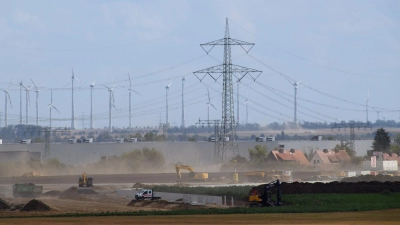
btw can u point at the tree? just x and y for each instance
(381, 141)
(258, 154)
(345, 146)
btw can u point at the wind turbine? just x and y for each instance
(51, 106)
(166, 101)
(6, 98)
(130, 100)
(28, 100)
(111, 103)
(366, 106)
(73, 110)
(20, 102)
(37, 102)
(295, 85)
(208, 107)
(91, 104)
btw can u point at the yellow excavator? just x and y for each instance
(192, 175)
(85, 181)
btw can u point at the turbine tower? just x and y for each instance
(295, 85)
(208, 106)
(228, 124)
(37, 102)
(20, 102)
(376, 111)
(73, 110)
(91, 104)
(111, 103)
(130, 100)
(366, 106)
(6, 99)
(27, 101)
(166, 102)
(51, 106)
(247, 110)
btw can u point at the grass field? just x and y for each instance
(368, 217)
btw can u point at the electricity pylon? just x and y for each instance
(227, 69)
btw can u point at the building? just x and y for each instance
(391, 157)
(288, 156)
(19, 156)
(329, 157)
(379, 163)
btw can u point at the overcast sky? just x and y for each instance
(339, 49)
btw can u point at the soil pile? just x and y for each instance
(367, 178)
(162, 204)
(4, 205)
(35, 205)
(336, 187)
(75, 193)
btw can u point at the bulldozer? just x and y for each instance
(265, 198)
(85, 181)
(192, 175)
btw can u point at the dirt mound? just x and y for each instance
(367, 178)
(77, 193)
(52, 193)
(4, 205)
(35, 205)
(336, 187)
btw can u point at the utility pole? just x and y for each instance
(352, 125)
(228, 124)
(237, 102)
(216, 124)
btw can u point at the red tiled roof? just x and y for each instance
(287, 156)
(332, 156)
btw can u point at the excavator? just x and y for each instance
(85, 181)
(192, 175)
(265, 199)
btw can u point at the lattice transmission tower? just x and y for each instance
(227, 140)
(352, 126)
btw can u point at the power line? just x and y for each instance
(312, 62)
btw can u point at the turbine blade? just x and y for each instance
(55, 108)
(10, 83)
(208, 92)
(34, 84)
(213, 106)
(106, 87)
(9, 98)
(169, 83)
(136, 92)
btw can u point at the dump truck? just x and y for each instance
(27, 190)
(196, 176)
(146, 194)
(85, 181)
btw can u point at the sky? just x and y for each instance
(341, 51)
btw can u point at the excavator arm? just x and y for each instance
(178, 169)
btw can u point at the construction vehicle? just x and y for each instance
(269, 176)
(146, 194)
(85, 181)
(192, 175)
(265, 199)
(27, 190)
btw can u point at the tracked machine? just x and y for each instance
(265, 198)
(195, 176)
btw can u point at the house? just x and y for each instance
(329, 157)
(288, 156)
(382, 162)
(391, 157)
